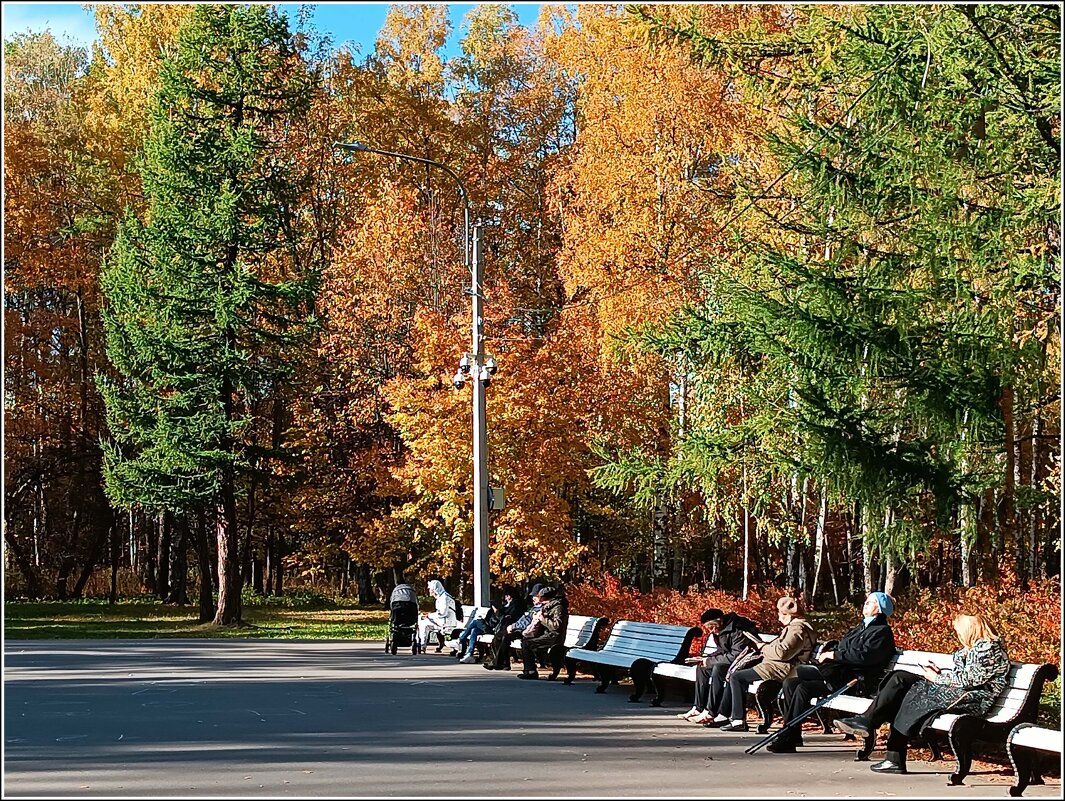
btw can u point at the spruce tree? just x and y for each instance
(888, 310)
(207, 294)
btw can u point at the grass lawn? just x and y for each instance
(311, 618)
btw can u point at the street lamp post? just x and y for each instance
(474, 364)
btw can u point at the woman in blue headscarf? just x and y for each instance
(444, 618)
(862, 653)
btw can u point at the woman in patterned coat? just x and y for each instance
(908, 700)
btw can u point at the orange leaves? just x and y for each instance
(650, 123)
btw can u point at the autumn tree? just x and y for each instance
(57, 520)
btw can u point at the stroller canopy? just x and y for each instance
(403, 593)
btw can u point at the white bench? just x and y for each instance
(632, 644)
(763, 692)
(1018, 703)
(582, 631)
(1023, 739)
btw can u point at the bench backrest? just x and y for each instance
(473, 612)
(711, 642)
(582, 631)
(655, 641)
(1019, 699)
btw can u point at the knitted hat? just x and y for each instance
(883, 600)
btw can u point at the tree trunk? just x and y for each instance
(366, 593)
(660, 543)
(150, 551)
(967, 518)
(1034, 513)
(116, 549)
(162, 559)
(819, 544)
(229, 567)
(890, 567)
(279, 557)
(179, 572)
(30, 574)
(1005, 536)
(203, 557)
(103, 531)
(868, 572)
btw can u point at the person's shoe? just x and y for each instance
(858, 725)
(488, 666)
(467, 660)
(891, 763)
(533, 675)
(504, 666)
(691, 713)
(702, 718)
(736, 726)
(717, 723)
(781, 747)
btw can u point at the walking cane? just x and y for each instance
(798, 721)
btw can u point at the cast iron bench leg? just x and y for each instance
(571, 671)
(641, 677)
(605, 675)
(868, 744)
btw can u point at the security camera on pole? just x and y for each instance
(472, 364)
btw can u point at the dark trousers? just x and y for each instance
(501, 647)
(887, 703)
(798, 692)
(546, 641)
(738, 684)
(710, 694)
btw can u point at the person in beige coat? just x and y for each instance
(780, 659)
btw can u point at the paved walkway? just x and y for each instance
(335, 718)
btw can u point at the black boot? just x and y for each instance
(893, 762)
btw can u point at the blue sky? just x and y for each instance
(349, 23)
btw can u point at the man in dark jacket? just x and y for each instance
(546, 630)
(515, 620)
(863, 653)
(712, 702)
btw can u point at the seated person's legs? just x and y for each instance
(741, 680)
(885, 704)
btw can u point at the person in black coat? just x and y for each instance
(712, 702)
(513, 620)
(863, 653)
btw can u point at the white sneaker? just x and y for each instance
(467, 660)
(691, 713)
(701, 718)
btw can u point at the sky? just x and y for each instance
(349, 23)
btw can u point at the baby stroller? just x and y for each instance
(402, 620)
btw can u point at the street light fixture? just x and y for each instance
(472, 363)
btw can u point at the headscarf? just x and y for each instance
(436, 587)
(883, 601)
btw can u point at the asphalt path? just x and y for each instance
(280, 718)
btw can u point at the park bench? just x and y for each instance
(1018, 703)
(635, 648)
(1023, 745)
(467, 611)
(582, 631)
(763, 692)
